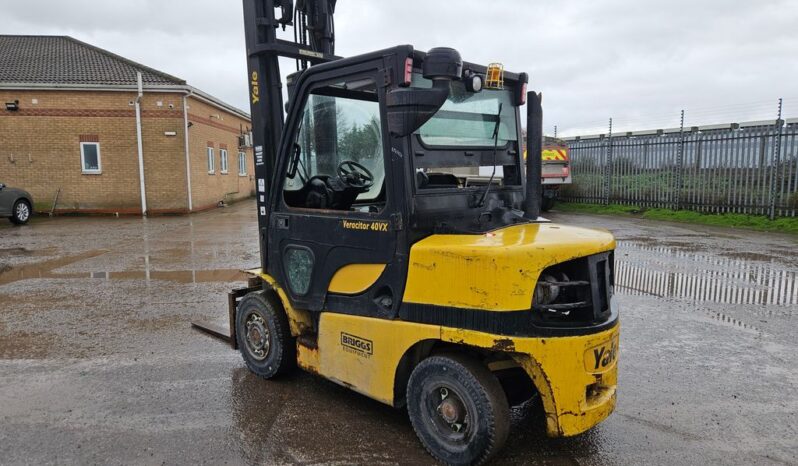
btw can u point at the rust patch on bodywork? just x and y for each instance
(503, 344)
(308, 355)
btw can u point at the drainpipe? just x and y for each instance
(140, 145)
(188, 159)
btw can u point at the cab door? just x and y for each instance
(330, 247)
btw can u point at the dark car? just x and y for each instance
(15, 204)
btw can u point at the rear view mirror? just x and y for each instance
(409, 108)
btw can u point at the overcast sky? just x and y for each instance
(639, 62)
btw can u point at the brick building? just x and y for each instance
(73, 125)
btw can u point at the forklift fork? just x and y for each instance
(233, 297)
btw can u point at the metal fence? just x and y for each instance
(742, 168)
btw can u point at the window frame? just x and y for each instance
(242, 163)
(223, 162)
(367, 70)
(210, 160)
(83, 169)
(384, 136)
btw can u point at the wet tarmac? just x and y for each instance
(98, 363)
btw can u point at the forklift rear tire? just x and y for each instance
(458, 409)
(263, 335)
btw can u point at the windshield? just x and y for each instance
(467, 119)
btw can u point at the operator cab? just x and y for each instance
(462, 138)
(378, 152)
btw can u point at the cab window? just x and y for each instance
(337, 161)
(468, 118)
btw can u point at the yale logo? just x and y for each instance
(357, 345)
(255, 93)
(361, 225)
(601, 358)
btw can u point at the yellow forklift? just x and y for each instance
(381, 272)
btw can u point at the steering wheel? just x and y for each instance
(355, 175)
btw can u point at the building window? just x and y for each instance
(223, 160)
(242, 164)
(90, 157)
(211, 161)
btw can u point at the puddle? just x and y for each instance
(14, 251)
(47, 269)
(27, 252)
(44, 269)
(180, 276)
(751, 256)
(744, 278)
(729, 320)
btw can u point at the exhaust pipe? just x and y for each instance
(534, 146)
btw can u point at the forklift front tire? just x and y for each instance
(458, 409)
(264, 336)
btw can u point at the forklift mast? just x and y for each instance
(314, 42)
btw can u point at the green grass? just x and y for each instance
(754, 222)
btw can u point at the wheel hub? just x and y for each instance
(22, 211)
(257, 334)
(451, 410)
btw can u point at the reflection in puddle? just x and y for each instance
(691, 276)
(729, 320)
(44, 269)
(180, 276)
(47, 269)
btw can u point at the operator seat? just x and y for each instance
(319, 194)
(422, 180)
(443, 180)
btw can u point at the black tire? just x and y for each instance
(260, 318)
(482, 408)
(546, 204)
(21, 212)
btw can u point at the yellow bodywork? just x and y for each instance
(495, 271)
(355, 278)
(575, 375)
(575, 396)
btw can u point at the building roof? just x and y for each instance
(65, 60)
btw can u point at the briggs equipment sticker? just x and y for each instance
(357, 345)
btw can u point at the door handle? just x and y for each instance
(281, 222)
